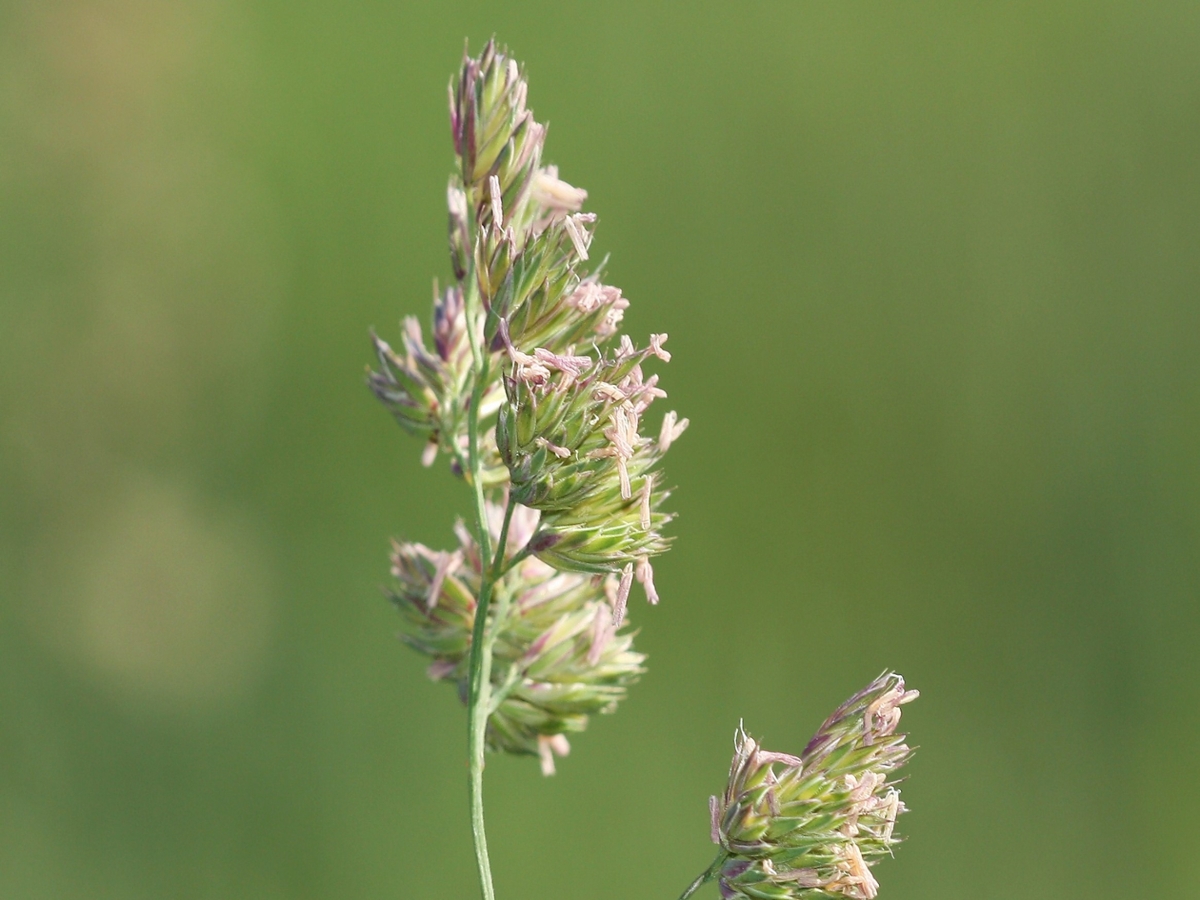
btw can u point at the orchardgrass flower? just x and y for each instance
(812, 826)
(539, 403)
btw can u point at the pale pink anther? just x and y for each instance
(548, 746)
(714, 819)
(656, 347)
(578, 234)
(621, 434)
(552, 193)
(610, 590)
(809, 878)
(857, 872)
(772, 801)
(533, 372)
(622, 597)
(671, 430)
(429, 454)
(883, 716)
(647, 488)
(608, 393)
(634, 378)
(645, 575)
(560, 452)
(572, 365)
(456, 201)
(770, 756)
(446, 564)
(891, 809)
(602, 632)
(587, 297)
(612, 321)
(519, 357)
(647, 393)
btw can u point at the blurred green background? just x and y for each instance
(932, 278)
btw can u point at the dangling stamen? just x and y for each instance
(570, 365)
(645, 575)
(608, 393)
(671, 430)
(579, 235)
(621, 434)
(548, 747)
(656, 347)
(623, 595)
(602, 632)
(891, 809)
(647, 487)
(554, 194)
(446, 563)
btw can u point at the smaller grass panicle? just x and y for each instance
(812, 825)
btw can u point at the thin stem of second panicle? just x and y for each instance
(499, 567)
(705, 877)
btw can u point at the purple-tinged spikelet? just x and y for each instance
(812, 826)
(559, 656)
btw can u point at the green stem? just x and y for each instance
(498, 566)
(516, 558)
(704, 877)
(502, 690)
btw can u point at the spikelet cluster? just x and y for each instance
(563, 401)
(427, 389)
(570, 437)
(559, 656)
(813, 825)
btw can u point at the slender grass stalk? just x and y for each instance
(704, 877)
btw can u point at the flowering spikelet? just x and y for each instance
(812, 826)
(559, 657)
(569, 435)
(539, 294)
(425, 389)
(495, 136)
